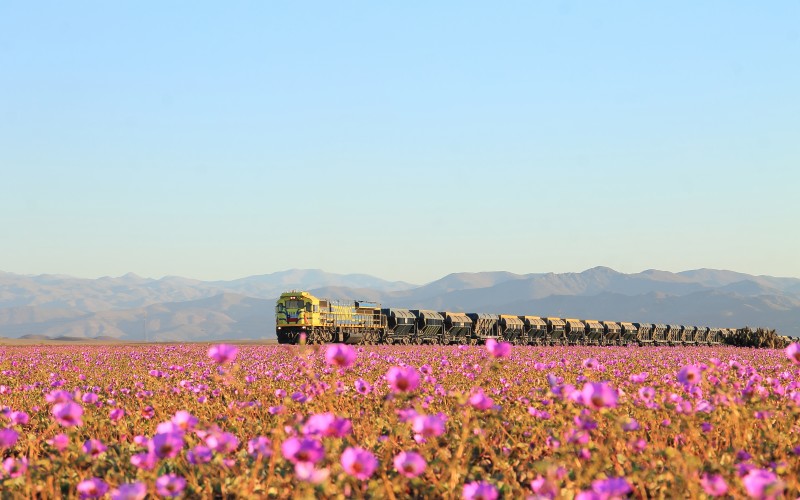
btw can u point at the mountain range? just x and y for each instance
(173, 308)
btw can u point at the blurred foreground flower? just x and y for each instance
(170, 485)
(479, 490)
(129, 491)
(92, 488)
(340, 355)
(223, 353)
(409, 464)
(763, 484)
(793, 352)
(402, 379)
(498, 349)
(359, 463)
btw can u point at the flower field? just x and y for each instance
(199, 421)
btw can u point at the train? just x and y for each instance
(299, 315)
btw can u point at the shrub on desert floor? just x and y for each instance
(760, 338)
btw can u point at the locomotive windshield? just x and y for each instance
(295, 304)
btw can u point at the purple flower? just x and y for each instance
(479, 490)
(90, 398)
(59, 442)
(409, 464)
(259, 446)
(340, 355)
(428, 425)
(690, 375)
(599, 395)
(498, 349)
(713, 484)
(8, 438)
(359, 462)
(184, 420)
(116, 414)
(68, 414)
(544, 488)
(92, 488)
(763, 484)
(305, 471)
(15, 467)
(129, 491)
(199, 455)
(166, 445)
(93, 447)
(402, 379)
(222, 442)
(793, 353)
(170, 485)
(479, 400)
(144, 461)
(327, 424)
(362, 387)
(19, 417)
(630, 424)
(302, 450)
(223, 353)
(58, 397)
(613, 487)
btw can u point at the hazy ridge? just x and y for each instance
(130, 307)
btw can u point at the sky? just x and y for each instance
(407, 140)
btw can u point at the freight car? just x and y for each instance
(301, 316)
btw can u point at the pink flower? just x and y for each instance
(544, 488)
(144, 461)
(409, 464)
(166, 445)
(611, 488)
(305, 471)
(713, 484)
(793, 352)
(340, 355)
(15, 467)
(428, 425)
(362, 386)
(259, 446)
(184, 420)
(94, 447)
(479, 400)
(68, 414)
(402, 379)
(302, 450)
(328, 425)
(116, 414)
(58, 397)
(479, 490)
(59, 442)
(170, 485)
(223, 353)
(690, 375)
(19, 418)
(92, 488)
(222, 442)
(359, 462)
(498, 349)
(90, 398)
(199, 455)
(8, 438)
(599, 395)
(763, 484)
(129, 491)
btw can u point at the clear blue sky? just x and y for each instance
(407, 140)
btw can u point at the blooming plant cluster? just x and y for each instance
(483, 422)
